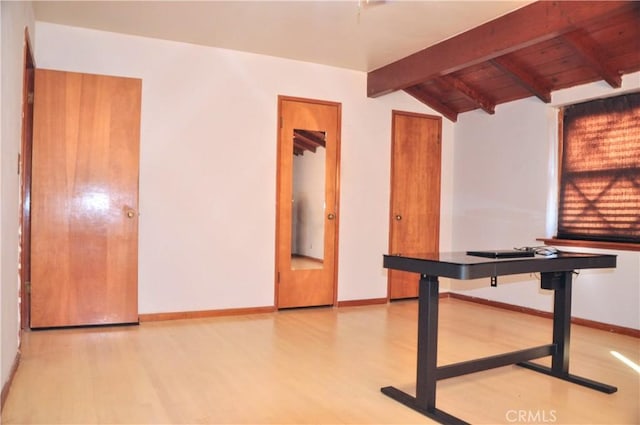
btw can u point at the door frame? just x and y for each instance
(25, 182)
(336, 237)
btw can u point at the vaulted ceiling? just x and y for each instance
(533, 51)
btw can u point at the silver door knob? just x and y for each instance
(131, 213)
(331, 216)
(398, 217)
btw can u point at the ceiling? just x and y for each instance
(360, 35)
(454, 56)
(308, 140)
(533, 51)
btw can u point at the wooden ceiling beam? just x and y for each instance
(305, 144)
(432, 102)
(307, 140)
(480, 99)
(315, 137)
(524, 77)
(593, 54)
(534, 23)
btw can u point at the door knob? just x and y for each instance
(131, 213)
(398, 217)
(331, 216)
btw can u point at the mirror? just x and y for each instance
(308, 202)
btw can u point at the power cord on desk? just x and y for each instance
(536, 276)
(546, 251)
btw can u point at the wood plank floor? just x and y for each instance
(321, 366)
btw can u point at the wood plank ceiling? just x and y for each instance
(540, 48)
(307, 140)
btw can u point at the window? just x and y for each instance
(599, 191)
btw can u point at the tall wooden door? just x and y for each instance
(25, 183)
(84, 200)
(307, 202)
(415, 193)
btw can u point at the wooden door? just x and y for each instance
(25, 183)
(415, 193)
(84, 255)
(307, 202)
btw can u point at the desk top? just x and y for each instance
(459, 265)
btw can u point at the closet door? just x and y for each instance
(415, 194)
(84, 204)
(307, 202)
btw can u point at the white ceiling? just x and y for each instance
(357, 35)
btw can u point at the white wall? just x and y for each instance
(208, 165)
(15, 17)
(504, 197)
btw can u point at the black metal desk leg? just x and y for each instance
(562, 326)
(560, 282)
(427, 342)
(425, 399)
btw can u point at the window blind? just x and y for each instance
(599, 195)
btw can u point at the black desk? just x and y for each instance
(555, 274)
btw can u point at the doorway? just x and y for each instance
(307, 202)
(414, 224)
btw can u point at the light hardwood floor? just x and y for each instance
(321, 366)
